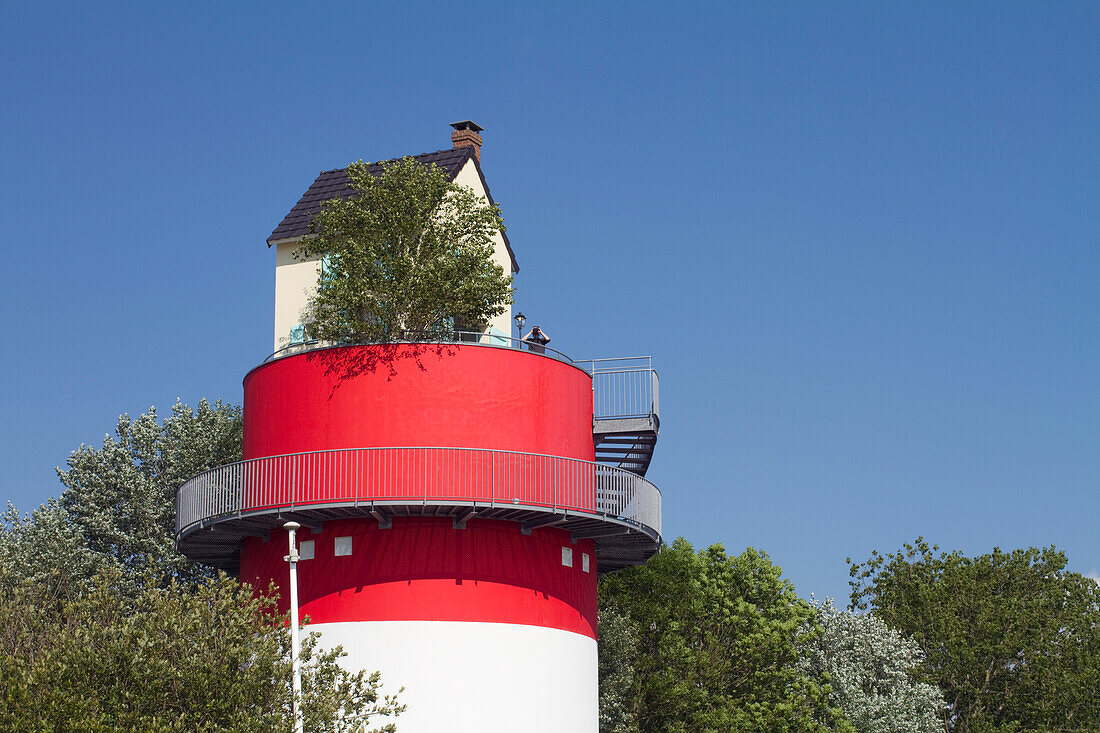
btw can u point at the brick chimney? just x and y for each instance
(465, 135)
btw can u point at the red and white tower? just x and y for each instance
(457, 499)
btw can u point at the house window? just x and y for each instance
(298, 334)
(567, 556)
(585, 562)
(305, 550)
(343, 546)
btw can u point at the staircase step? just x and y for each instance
(626, 443)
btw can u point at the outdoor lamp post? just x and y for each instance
(520, 319)
(295, 636)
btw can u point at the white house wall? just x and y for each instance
(468, 177)
(294, 282)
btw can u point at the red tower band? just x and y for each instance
(519, 412)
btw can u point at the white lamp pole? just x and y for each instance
(295, 637)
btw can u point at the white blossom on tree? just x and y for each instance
(121, 497)
(618, 647)
(46, 547)
(868, 667)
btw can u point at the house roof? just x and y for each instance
(334, 183)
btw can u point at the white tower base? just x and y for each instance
(473, 677)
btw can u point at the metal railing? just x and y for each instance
(439, 476)
(623, 387)
(478, 338)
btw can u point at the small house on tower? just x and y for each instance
(457, 506)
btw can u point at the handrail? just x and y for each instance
(478, 338)
(623, 387)
(417, 475)
(623, 363)
(634, 362)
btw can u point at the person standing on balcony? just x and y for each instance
(536, 340)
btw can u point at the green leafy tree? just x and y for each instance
(869, 667)
(618, 652)
(48, 548)
(210, 657)
(716, 645)
(120, 499)
(1012, 638)
(104, 626)
(410, 254)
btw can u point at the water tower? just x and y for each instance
(458, 499)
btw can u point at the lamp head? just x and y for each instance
(292, 526)
(520, 319)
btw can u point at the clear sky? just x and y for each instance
(860, 240)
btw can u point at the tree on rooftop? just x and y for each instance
(410, 254)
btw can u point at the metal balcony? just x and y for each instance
(626, 407)
(619, 510)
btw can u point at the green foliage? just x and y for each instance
(717, 645)
(48, 549)
(410, 254)
(1012, 638)
(104, 626)
(618, 645)
(868, 666)
(211, 657)
(119, 500)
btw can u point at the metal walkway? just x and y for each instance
(626, 411)
(618, 510)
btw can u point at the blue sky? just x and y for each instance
(859, 239)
